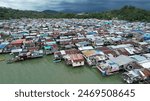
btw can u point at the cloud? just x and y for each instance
(100, 5)
(30, 4)
(22, 4)
(77, 5)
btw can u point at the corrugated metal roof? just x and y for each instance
(122, 60)
(89, 53)
(138, 58)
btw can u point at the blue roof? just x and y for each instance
(138, 31)
(51, 43)
(24, 33)
(98, 52)
(44, 34)
(91, 33)
(83, 43)
(47, 47)
(111, 63)
(2, 46)
(138, 58)
(146, 36)
(107, 22)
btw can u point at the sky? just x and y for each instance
(73, 5)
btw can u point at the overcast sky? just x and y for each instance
(76, 5)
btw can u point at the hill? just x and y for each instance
(50, 11)
(8, 13)
(132, 14)
(129, 13)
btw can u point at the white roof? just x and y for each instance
(147, 55)
(86, 48)
(16, 50)
(145, 64)
(119, 32)
(33, 33)
(62, 52)
(131, 50)
(121, 46)
(143, 43)
(5, 43)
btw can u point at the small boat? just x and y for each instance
(2, 59)
(56, 60)
(57, 57)
(9, 61)
(14, 60)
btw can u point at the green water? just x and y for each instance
(44, 71)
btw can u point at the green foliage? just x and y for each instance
(132, 14)
(129, 13)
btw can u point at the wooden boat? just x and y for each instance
(56, 60)
(2, 59)
(14, 60)
(10, 61)
(57, 57)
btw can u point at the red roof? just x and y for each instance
(122, 51)
(72, 51)
(28, 42)
(103, 48)
(106, 50)
(76, 57)
(19, 41)
(146, 72)
(32, 48)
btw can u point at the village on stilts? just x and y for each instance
(110, 46)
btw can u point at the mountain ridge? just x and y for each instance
(127, 12)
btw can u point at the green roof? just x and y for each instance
(47, 47)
